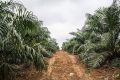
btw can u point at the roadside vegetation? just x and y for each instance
(23, 40)
(98, 42)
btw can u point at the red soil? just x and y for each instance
(63, 66)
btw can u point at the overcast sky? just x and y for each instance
(63, 16)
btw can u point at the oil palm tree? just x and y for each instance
(98, 41)
(21, 39)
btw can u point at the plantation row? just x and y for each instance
(23, 40)
(98, 42)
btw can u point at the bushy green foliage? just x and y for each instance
(115, 62)
(98, 41)
(23, 40)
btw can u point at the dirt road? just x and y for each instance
(63, 66)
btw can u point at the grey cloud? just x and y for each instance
(63, 16)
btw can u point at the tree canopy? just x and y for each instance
(23, 39)
(98, 42)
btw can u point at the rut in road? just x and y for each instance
(63, 66)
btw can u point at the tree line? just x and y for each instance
(23, 40)
(98, 42)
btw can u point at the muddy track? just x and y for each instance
(63, 66)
